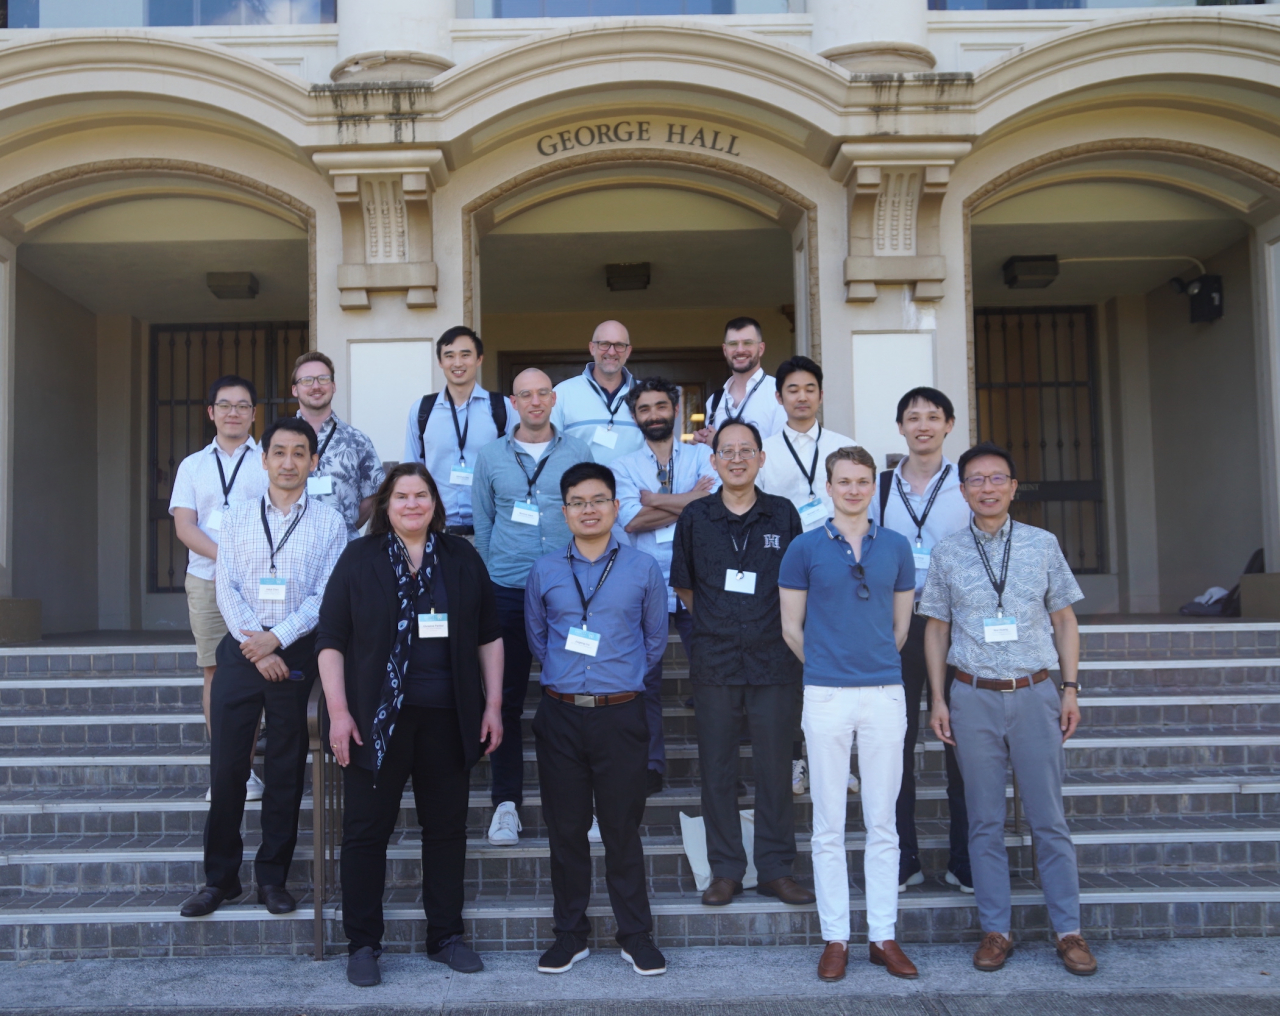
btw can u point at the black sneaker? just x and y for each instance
(362, 968)
(563, 955)
(457, 955)
(654, 782)
(643, 955)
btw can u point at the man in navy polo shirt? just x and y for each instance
(846, 591)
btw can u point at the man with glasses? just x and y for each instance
(749, 394)
(654, 485)
(349, 472)
(593, 406)
(206, 486)
(725, 559)
(998, 599)
(596, 617)
(516, 507)
(846, 595)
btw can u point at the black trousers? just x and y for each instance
(507, 763)
(237, 698)
(915, 676)
(427, 744)
(599, 755)
(769, 713)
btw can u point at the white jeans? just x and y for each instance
(831, 719)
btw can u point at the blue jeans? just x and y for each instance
(507, 761)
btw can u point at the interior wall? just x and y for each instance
(55, 452)
(119, 347)
(1204, 415)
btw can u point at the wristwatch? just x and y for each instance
(1073, 685)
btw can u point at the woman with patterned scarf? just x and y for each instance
(410, 653)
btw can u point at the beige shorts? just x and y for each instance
(206, 619)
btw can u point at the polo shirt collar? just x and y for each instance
(577, 554)
(716, 508)
(829, 527)
(627, 379)
(952, 477)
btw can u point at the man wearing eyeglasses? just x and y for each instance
(349, 471)
(654, 486)
(998, 598)
(596, 618)
(846, 595)
(515, 502)
(750, 394)
(593, 406)
(725, 558)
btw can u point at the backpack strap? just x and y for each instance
(715, 404)
(424, 411)
(498, 408)
(886, 488)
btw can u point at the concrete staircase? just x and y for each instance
(1173, 799)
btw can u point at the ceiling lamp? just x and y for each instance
(628, 275)
(232, 285)
(1032, 272)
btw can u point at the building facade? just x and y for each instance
(1067, 219)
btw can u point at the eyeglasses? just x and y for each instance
(664, 479)
(311, 382)
(734, 454)
(239, 407)
(542, 393)
(859, 573)
(611, 347)
(997, 480)
(598, 503)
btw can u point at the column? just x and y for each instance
(394, 40)
(873, 35)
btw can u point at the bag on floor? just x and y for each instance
(694, 834)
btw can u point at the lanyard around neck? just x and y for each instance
(288, 532)
(462, 432)
(737, 417)
(612, 403)
(746, 542)
(928, 507)
(325, 447)
(586, 600)
(531, 480)
(997, 585)
(226, 487)
(813, 468)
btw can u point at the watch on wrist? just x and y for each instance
(1073, 685)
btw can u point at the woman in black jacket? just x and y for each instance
(410, 653)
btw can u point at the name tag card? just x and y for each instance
(1000, 629)
(214, 521)
(270, 588)
(922, 557)
(526, 513)
(739, 582)
(319, 485)
(461, 475)
(582, 641)
(666, 534)
(433, 626)
(813, 514)
(608, 438)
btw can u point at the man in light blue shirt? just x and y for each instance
(593, 406)
(654, 485)
(447, 429)
(516, 501)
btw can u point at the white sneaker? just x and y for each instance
(799, 776)
(951, 879)
(253, 788)
(593, 834)
(504, 830)
(915, 879)
(854, 785)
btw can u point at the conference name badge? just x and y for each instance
(1000, 629)
(461, 475)
(433, 626)
(272, 588)
(608, 438)
(666, 534)
(739, 581)
(319, 485)
(214, 521)
(526, 513)
(922, 557)
(813, 514)
(582, 641)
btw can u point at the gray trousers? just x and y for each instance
(992, 729)
(769, 712)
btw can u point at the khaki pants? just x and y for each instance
(207, 624)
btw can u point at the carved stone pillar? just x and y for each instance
(895, 202)
(384, 198)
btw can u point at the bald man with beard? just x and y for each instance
(516, 506)
(593, 406)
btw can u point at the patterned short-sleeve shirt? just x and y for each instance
(352, 461)
(959, 591)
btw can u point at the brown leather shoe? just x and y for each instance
(1076, 956)
(720, 892)
(992, 951)
(788, 890)
(835, 957)
(894, 960)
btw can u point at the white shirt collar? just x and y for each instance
(952, 478)
(803, 435)
(213, 448)
(758, 372)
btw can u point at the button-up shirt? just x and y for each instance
(629, 614)
(950, 513)
(442, 452)
(959, 591)
(639, 471)
(581, 408)
(304, 562)
(737, 637)
(503, 471)
(352, 462)
(780, 475)
(759, 405)
(198, 486)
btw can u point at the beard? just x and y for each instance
(749, 369)
(658, 430)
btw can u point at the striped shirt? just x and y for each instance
(582, 410)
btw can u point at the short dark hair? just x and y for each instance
(584, 471)
(232, 381)
(929, 395)
(738, 323)
(653, 384)
(312, 356)
(755, 433)
(455, 333)
(380, 521)
(856, 454)
(986, 448)
(797, 364)
(293, 424)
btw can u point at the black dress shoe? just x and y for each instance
(362, 968)
(277, 899)
(207, 900)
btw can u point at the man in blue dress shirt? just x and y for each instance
(596, 618)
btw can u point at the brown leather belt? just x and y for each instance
(1005, 684)
(592, 701)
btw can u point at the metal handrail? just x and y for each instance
(326, 816)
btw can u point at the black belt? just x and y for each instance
(460, 530)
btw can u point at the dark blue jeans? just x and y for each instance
(508, 761)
